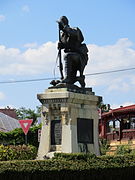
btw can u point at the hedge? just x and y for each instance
(59, 168)
(20, 152)
(17, 136)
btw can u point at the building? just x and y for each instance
(10, 112)
(8, 123)
(118, 124)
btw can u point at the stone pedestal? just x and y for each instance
(69, 121)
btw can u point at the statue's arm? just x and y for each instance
(70, 31)
(60, 45)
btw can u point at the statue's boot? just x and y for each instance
(81, 80)
(70, 73)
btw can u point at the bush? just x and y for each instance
(17, 136)
(104, 146)
(20, 152)
(98, 168)
(123, 149)
(74, 156)
(132, 152)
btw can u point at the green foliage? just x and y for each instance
(17, 136)
(97, 168)
(132, 152)
(123, 149)
(20, 152)
(104, 146)
(23, 113)
(74, 156)
(104, 107)
(33, 135)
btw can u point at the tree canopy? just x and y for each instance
(24, 113)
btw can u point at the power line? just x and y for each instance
(46, 79)
(28, 80)
(113, 71)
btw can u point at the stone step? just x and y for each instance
(113, 148)
(124, 142)
(133, 141)
(114, 143)
(132, 146)
(110, 153)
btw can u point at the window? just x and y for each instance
(132, 124)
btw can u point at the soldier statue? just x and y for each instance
(75, 53)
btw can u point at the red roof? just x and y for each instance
(119, 111)
(10, 112)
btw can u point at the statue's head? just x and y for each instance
(63, 20)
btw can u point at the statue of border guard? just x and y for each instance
(75, 53)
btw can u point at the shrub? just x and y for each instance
(74, 156)
(20, 152)
(104, 146)
(98, 168)
(123, 149)
(17, 136)
(132, 152)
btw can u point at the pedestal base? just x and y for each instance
(69, 122)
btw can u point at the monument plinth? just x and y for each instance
(69, 121)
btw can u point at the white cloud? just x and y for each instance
(30, 45)
(32, 61)
(39, 60)
(120, 55)
(25, 8)
(114, 106)
(2, 96)
(2, 18)
(119, 84)
(110, 57)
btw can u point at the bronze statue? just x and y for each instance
(76, 53)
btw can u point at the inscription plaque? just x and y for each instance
(85, 130)
(56, 132)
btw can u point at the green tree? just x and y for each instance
(104, 107)
(23, 113)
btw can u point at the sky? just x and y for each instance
(28, 48)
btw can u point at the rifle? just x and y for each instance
(60, 61)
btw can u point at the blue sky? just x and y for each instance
(28, 41)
